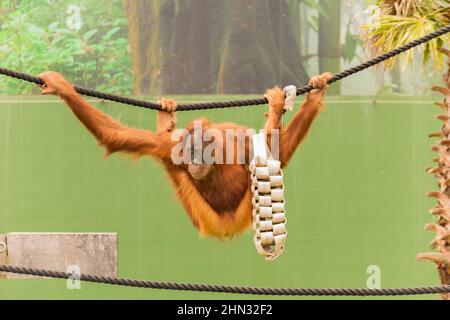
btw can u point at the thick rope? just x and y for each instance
(236, 103)
(222, 288)
(230, 289)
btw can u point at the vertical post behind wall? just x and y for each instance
(330, 51)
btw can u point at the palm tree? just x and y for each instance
(400, 21)
(396, 22)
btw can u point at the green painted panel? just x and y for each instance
(355, 198)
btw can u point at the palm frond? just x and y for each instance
(402, 21)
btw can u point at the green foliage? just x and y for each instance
(35, 36)
(402, 21)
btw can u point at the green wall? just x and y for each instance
(355, 197)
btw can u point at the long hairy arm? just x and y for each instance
(111, 134)
(297, 130)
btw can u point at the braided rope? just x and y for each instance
(269, 219)
(236, 103)
(222, 288)
(230, 289)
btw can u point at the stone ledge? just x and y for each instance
(94, 253)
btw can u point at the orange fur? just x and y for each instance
(219, 205)
(204, 217)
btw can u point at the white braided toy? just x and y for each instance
(269, 219)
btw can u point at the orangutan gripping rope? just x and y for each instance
(216, 196)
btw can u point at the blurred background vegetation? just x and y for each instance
(216, 47)
(399, 21)
(42, 35)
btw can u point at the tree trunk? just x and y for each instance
(146, 55)
(330, 40)
(212, 46)
(296, 22)
(441, 210)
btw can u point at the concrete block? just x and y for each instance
(93, 253)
